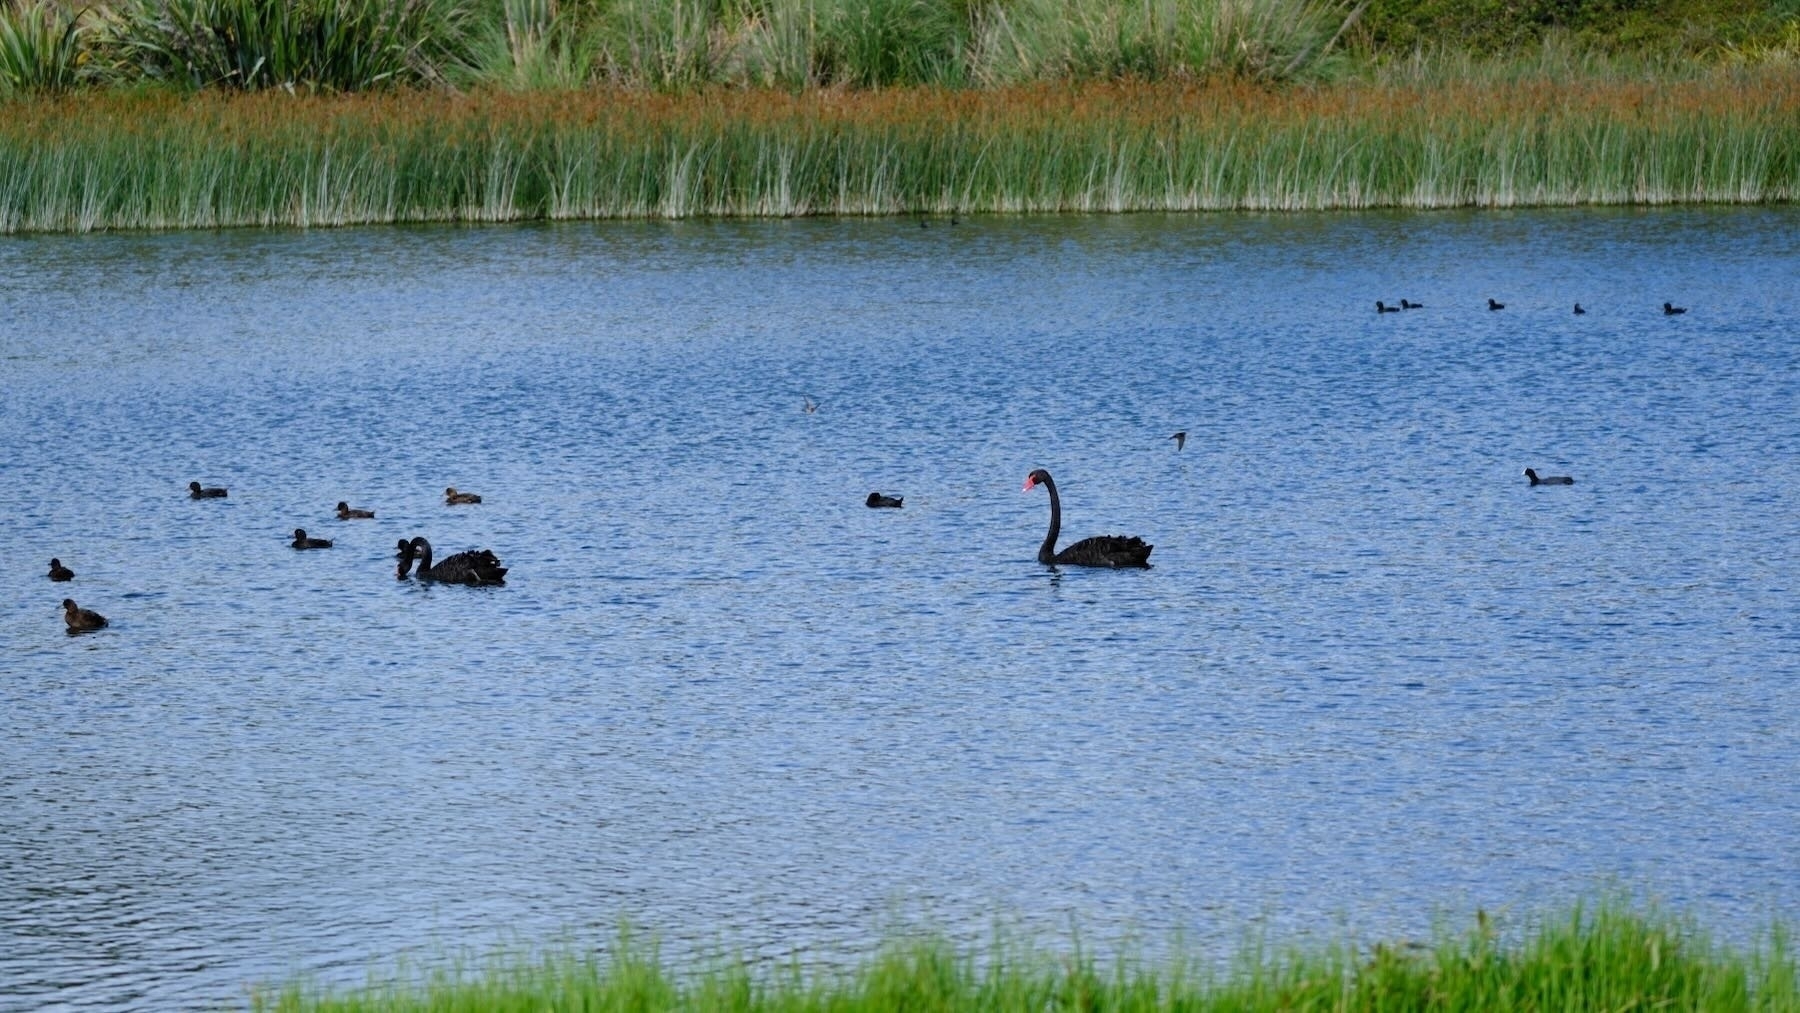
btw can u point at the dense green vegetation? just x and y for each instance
(355, 45)
(1604, 960)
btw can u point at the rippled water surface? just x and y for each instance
(1372, 680)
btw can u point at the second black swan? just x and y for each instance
(475, 567)
(1102, 550)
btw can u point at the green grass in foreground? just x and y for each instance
(1599, 959)
(112, 160)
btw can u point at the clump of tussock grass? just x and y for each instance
(148, 160)
(1602, 959)
(42, 47)
(336, 45)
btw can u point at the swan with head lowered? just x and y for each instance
(475, 567)
(1102, 550)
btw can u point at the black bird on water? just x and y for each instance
(302, 542)
(59, 572)
(1671, 310)
(1579, 311)
(1492, 305)
(1381, 307)
(1548, 479)
(209, 492)
(878, 500)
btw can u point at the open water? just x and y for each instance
(1372, 683)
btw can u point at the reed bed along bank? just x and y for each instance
(112, 160)
(1607, 960)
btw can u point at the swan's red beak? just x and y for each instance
(1030, 481)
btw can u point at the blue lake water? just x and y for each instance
(1372, 683)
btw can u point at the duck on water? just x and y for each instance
(475, 567)
(1114, 551)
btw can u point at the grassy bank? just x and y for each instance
(1607, 960)
(156, 160)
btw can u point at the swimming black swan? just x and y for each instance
(1405, 305)
(454, 498)
(1492, 305)
(1381, 307)
(302, 542)
(1549, 480)
(1672, 310)
(210, 492)
(1180, 440)
(1579, 311)
(478, 566)
(346, 512)
(1101, 550)
(59, 572)
(81, 620)
(878, 500)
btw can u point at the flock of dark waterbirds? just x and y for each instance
(1381, 306)
(475, 567)
(481, 567)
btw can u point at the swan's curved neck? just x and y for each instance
(1047, 551)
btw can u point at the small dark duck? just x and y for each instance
(1381, 307)
(196, 491)
(302, 542)
(878, 500)
(1492, 305)
(81, 620)
(454, 498)
(59, 572)
(1672, 310)
(348, 513)
(1409, 305)
(1548, 479)
(1579, 311)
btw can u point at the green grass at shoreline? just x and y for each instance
(158, 160)
(1607, 958)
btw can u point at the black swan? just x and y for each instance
(454, 498)
(209, 492)
(1672, 310)
(346, 512)
(878, 500)
(1381, 307)
(1405, 305)
(1579, 311)
(1180, 440)
(81, 620)
(1492, 305)
(1548, 480)
(302, 542)
(1101, 550)
(478, 566)
(59, 572)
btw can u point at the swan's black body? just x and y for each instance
(209, 492)
(346, 512)
(302, 542)
(81, 620)
(1548, 480)
(59, 572)
(475, 567)
(1102, 550)
(878, 500)
(1672, 310)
